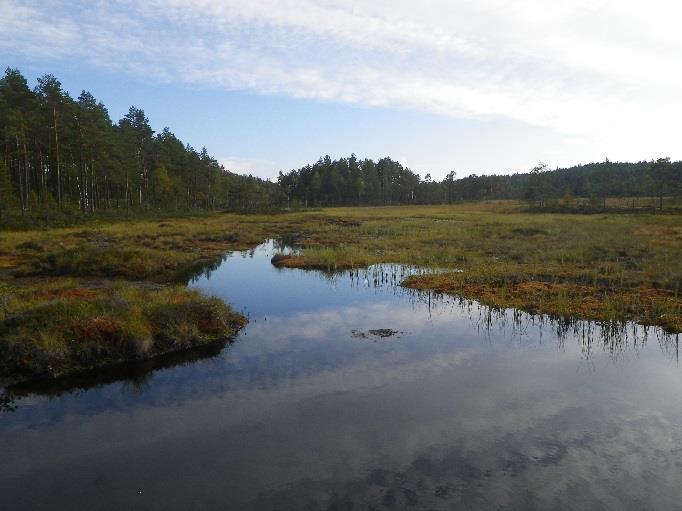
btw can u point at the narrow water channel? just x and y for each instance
(347, 391)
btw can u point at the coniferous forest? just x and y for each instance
(349, 181)
(64, 154)
(61, 153)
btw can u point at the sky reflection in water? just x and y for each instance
(464, 408)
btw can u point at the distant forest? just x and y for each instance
(64, 154)
(349, 181)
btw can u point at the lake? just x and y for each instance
(346, 391)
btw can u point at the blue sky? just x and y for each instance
(474, 87)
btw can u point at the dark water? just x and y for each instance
(462, 408)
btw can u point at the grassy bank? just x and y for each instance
(599, 267)
(72, 299)
(85, 296)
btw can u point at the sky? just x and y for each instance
(484, 86)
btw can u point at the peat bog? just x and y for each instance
(468, 356)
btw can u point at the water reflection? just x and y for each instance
(135, 376)
(469, 407)
(286, 244)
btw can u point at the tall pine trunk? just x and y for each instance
(56, 147)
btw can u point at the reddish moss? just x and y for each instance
(90, 329)
(75, 293)
(645, 305)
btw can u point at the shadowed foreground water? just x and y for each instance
(459, 408)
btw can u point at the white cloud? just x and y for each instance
(604, 73)
(253, 166)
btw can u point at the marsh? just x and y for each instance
(468, 407)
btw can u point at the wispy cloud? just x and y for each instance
(603, 72)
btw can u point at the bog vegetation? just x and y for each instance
(604, 267)
(59, 327)
(72, 299)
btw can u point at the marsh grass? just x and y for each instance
(606, 266)
(61, 327)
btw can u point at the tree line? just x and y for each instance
(64, 154)
(351, 181)
(60, 153)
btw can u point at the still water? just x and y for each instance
(457, 407)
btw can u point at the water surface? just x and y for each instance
(462, 408)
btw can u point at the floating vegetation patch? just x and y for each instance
(382, 333)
